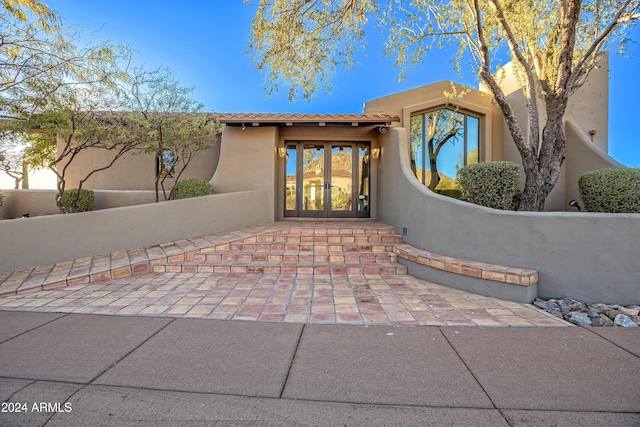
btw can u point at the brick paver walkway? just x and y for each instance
(321, 289)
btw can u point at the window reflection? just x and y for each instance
(290, 179)
(166, 167)
(341, 178)
(313, 178)
(442, 142)
(363, 177)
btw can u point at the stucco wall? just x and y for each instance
(582, 156)
(48, 239)
(133, 171)
(590, 257)
(43, 202)
(248, 162)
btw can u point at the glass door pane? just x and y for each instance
(363, 177)
(290, 179)
(342, 177)
(313, 178)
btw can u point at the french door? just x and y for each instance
(327, 179)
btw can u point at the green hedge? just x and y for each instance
(86, 201)
(615, 190)
(494, 185)
(191, 188)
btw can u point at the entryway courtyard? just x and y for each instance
(295, 271)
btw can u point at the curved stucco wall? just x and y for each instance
(590, 257)
(49, 239)
(582, 156)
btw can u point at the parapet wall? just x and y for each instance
(590, 257)
(49, 239)
(43, 202)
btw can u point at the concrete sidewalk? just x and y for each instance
(136, 371)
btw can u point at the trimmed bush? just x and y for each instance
(494, 185)
(614, 190)
(453, 193)
(86, 201)
(190, 188)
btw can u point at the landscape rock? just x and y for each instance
(580, 318)
(624, 321)
(591, 314)
(545, 305)
(602, 321)
(629, 311)
(567, 305)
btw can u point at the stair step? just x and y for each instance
(337, 231)
(300, 247)
(334, 269)
(294, 257)
(332, 239)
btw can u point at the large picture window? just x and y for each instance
(442, 142)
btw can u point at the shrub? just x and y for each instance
(453, 193)
(85, 202)
(494, 185)
(190, 188)
(1, 197)
(615, 190)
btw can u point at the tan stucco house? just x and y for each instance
(379, 164)
(329, 165)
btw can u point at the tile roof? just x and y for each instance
(290, 119)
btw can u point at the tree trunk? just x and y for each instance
(542, 172)
(435, 176)
(25, 176)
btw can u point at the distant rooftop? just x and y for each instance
(288, 119)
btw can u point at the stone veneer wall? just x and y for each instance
(587, 256)
(49, 239)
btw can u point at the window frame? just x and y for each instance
(170, 171)
(423, 113)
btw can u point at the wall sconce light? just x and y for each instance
(375, 152)
(244, 126)
(593, 133)
(282, 151)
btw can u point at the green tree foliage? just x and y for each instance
(39, 59)
(70, 100)
(11, 156)
(167, 117)
(553, 44)
(85, 119)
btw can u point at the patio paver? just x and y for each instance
(320, 271)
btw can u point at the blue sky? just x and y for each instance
(205, 44)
